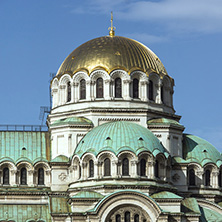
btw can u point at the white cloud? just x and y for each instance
(177, 16)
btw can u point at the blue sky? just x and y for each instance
(36, 36)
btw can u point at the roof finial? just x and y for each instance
(112, 28)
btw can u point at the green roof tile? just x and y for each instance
(73, 121)
(165, 195)
(27, 146)
(208, 215)
(24, 212)
(200, 151)
(190, 205)
(88, 194)
(118, 136)
(60, 159)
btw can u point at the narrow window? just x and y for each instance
(91, 168)
(23, 176)
(125, 167)
(6, 176)
(151, 90)
(207, 178)
(219, 179)
(83, 89)
(156, 169)
(68, 92)
(191, 177)
(80, 172)
(107, 167)
(127, 216)
(142, 167)
(118, 88)
(118, 218)
(99, 88)
(135, 88)
(162, 94)
(136, 218)
(40, 176)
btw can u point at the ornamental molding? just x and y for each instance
(120, 119)
(62, 176)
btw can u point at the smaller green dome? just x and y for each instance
(119, 136)
(200, 151)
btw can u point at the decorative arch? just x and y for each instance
(121, 199)
(80, 75)
(65, 79)
(99, 74)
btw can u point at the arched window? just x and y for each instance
(142, 167)
(191, 177)
(107, 167)
(83, 89)
(6, 176)
(40, 176)
(136, 218)
(135, 88)
(125, 167)
(118, 88)
(156, 169)
(118, 218)
(127, 216)
(23, 176)
(91, 168)
(207, 178)
(162, 94)
(99, 88)
(151, 90)
(68, 92)
(219, 179)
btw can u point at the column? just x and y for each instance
(54, 94)
(126, 88)
(30, 177)
(12, 180)
(151, 169)
(92, 92)
(72, 92)
(107, 89)
(158, 93)
(215, 179)
(47, 177)
(199, 181)
(133, 168)
(143, 91)
(88, 90)
(114, 166)
(76, 91)
(84, 171)
(96, 169)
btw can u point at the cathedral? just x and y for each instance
(114, 149)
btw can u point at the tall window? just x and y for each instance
(68, 92)
(6, 176)
(135, 88)
(127, 216)
(156, 169)
(191, 177)
(83, 89)
(151, 90)
(118, 88)
(125, 167)
(142, 167)
(107, 167)
(207, 178)
(40, 176)
(118, 218)
(99, 88)
(136, 218)
(23, 176)
(219, 179)
(91, 168)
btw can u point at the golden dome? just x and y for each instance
(110, 53)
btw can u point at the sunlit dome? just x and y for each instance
(110, 53)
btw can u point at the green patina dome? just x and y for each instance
(119, 136)
(200, 151)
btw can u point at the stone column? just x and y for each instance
(84, 171)
(54, 94)
(76, 91)
(96, 169)
(92, 93)
(30, 177)
(200, 181)
(143, 91)
(107, 89)
(126, 88)
(158, 93)
(88, 92)
(72, 92)
(48, 177)
(12, 180)
(214, 177)
(62, 94)
(133, 168)
(151, 169)
(114, 168)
